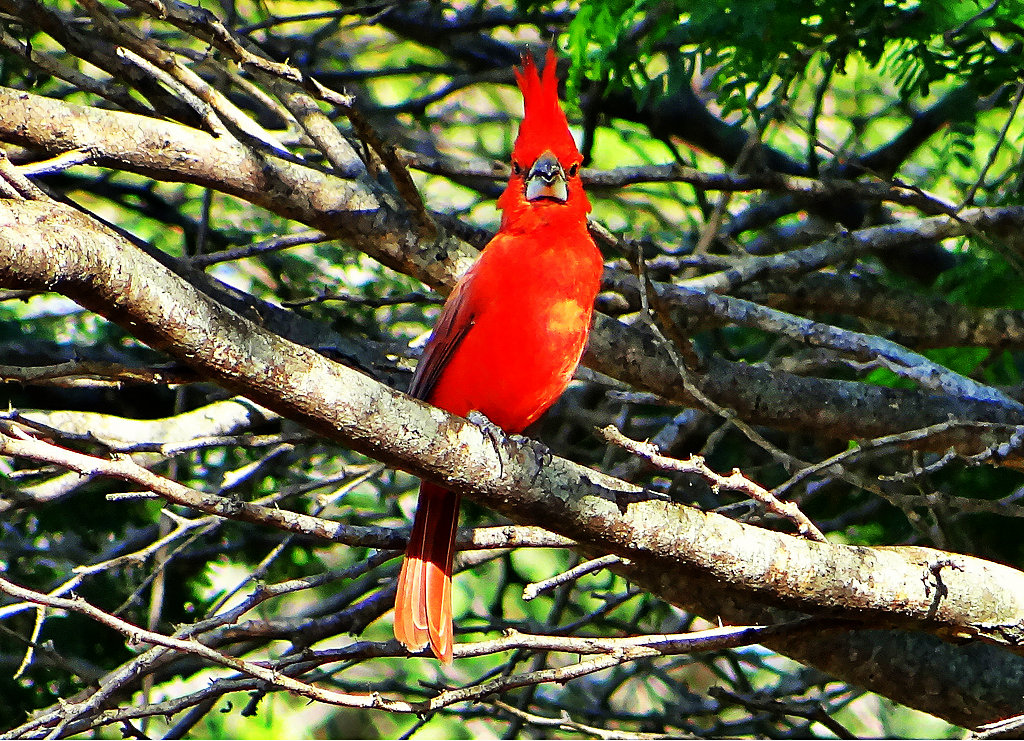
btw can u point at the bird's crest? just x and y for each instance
(544, 126)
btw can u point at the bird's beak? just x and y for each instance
(546, 180)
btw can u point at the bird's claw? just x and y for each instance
(482, 421)
(542, 453)
(493, 433)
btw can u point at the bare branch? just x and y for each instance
(736, 481)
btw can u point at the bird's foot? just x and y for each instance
(542, 455)
(496, 433)
(493, 433)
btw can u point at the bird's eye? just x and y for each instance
(573, 169)
(516, 169)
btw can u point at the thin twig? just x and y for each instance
(735, 481)
(531, 591)
(996, 146)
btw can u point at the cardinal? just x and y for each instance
(508, 338)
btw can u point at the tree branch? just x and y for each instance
(696, 560)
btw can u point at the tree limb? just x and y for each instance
(696, 560)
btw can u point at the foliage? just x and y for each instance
(755, 46)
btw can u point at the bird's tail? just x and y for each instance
(423, 603)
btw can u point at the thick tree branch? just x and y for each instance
(358, 211)
(700, 561)
(842, 409)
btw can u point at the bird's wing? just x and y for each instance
(457, 318)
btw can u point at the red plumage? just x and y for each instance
(509, 336)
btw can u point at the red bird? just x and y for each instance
(509, 336)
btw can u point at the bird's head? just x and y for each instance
(545, 160)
